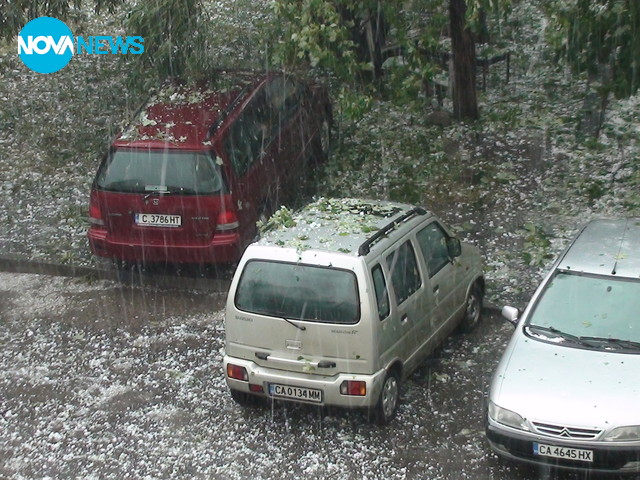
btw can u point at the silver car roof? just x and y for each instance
(344, 225)
(606, 247)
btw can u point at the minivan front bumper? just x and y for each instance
(224, 248)
(328, 385)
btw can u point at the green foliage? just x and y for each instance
(537, 247)
(314, 34)
(594, 190)
(420, 25)
(353, 104)
(194, 39)
(599, 34)
(283, 217)
(172, 32)
(14, 14)
(485, 17)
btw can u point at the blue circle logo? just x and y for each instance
(45, 45)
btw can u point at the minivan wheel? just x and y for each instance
(389, 398)
(472, 312)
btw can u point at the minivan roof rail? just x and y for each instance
(365, 248)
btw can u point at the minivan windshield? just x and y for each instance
(588, 310)
(299, 292)
(161, 171)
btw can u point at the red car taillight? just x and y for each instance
(227, 220)
(95, 215)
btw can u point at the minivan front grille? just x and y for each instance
(560, 431)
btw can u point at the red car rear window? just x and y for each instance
(169, 171)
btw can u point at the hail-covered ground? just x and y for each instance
(111, 380)
(104, 380)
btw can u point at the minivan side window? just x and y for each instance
(405, 276)
(382, 296)
(433, 245)
(284, 95)
(250, 135)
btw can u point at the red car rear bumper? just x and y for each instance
(224, 248)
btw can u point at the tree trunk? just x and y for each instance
(465, 103)
(369, 33)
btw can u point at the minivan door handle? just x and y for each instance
(436, 289)
(404, 318)
(326, 364)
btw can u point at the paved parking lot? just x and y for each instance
(101, 379)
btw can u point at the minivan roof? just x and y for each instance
(344, 225)
(180, 116)
(606, 247)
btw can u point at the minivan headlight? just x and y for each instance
(624, 434)
(506, 417)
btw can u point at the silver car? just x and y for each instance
(340, 303)
(566, 392)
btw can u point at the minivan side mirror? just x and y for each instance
(454, 247)
(511, 314)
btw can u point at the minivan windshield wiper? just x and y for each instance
(154, 192)
(614, 342)
(537, 329)
(301, 327)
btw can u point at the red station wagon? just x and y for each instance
(188, 180)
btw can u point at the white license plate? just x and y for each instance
(565, 453)
(158, 220)
(297, 393)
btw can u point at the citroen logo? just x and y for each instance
(565, 433)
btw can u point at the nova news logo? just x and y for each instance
(46, 45)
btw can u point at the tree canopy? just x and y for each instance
(14, 14)
(352, 38)
(601, 38)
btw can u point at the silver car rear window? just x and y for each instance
(590, 306)
(299, 292)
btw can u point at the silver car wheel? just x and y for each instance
(473, 310)
(389, 396)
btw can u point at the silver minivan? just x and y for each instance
(566, 392)
(343, 300)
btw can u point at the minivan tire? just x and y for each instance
(389, 398)
(472, 310)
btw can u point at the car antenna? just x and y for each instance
(615, 265)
